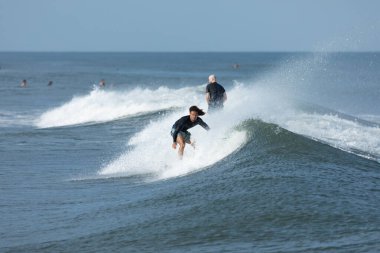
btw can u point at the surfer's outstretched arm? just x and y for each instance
(203, 124)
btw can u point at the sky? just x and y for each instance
(189, 26)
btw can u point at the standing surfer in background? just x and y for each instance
(179, 130)
(215, 94)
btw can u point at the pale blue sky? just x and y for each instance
(196, 25)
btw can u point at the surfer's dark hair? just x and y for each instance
(195, 108)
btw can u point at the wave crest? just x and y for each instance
(107, 105)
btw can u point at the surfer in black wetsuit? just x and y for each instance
(179, 130)
(215, 94)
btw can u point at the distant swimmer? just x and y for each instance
(236, 66)
(179, 130)
(102, 83)
(23, 83)
(50, 83)
(215, 94)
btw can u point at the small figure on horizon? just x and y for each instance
(102, 83)
(179, 130)
(215, 94)
(236, 66)
(23, 84)
(50, 83)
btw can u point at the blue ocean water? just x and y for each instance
(290, 165)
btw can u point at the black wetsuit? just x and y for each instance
(216, 92)
(185, 123)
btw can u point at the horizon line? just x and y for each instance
(200, 52)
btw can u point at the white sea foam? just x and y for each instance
(104, 105)
(151, 153)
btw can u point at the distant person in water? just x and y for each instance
(215, 94)
(50, 83)
(179, 130)
(23, 84)
(102, 83)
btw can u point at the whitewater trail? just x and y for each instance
(151, 153)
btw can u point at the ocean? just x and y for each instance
(291, 164)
